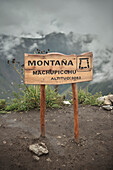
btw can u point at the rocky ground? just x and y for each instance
(94, 151)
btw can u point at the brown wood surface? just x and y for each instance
(42, 109)
(75, 108)
(49, 56)
(64, 77)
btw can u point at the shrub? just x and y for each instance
(87, 98)
(30, 99)
(2, 104)
(53, 99)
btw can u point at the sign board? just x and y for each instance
(56, 68)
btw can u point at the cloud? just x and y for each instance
(103, 60)
(8, 46)
(83, 16)
(102, 56)
(32, 47)
(10, 57)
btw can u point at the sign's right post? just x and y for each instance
(75, 108)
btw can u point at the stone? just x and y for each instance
(84, 138)
(107, 101)
(36, 158)
(107, 107)
(110, 97)
(62, 145)
(4, 142)
(58, 143)
(66, 103)
(53, 120)
(89, 120)
(100, 99)
(59, 137)
(48, 160)
(39, 149)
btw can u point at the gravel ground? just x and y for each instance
(94, 151)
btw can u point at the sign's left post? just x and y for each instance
(42, 109)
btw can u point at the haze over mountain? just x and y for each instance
(15, 47)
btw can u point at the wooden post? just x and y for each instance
(75, 108)
(42, 109)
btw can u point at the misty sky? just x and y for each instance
(80, 16)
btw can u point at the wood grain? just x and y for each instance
(75, 108)
(42, 109)
(80, 71)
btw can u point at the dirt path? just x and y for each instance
(95, 150)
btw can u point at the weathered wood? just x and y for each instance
(65, 79)
(78, 68)
(51, 59)
(75, 108)
(42, 109)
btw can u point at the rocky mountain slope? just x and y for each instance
(15, 47)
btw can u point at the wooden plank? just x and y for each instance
(75, 108)
(57, 79)
(50, 61)
(65, 68)
(42, 109)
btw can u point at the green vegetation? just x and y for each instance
(29, 99)
(87, 98)
(3, 104)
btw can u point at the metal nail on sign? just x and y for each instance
(56, 68)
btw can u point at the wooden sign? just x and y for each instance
(56, 68)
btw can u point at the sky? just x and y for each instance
(20, 17)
